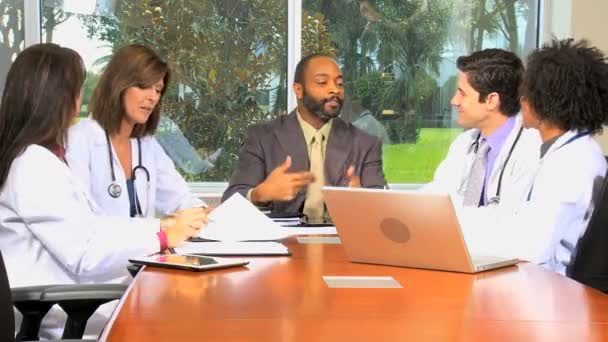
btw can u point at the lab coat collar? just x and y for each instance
(561, 141)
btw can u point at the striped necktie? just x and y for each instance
(477, 176)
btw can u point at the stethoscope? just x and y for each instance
(115, 190)
(475, 146)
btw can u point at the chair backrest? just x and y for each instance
(590, 264)
(7, 317)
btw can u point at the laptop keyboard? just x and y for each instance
(485, 260)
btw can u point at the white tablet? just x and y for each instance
(188, 262)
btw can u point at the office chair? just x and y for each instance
(7, 319)
(78, 301)
(590, 265)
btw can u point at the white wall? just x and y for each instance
(556, 19)
(578, 19)
(589, 22)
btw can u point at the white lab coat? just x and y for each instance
(546, 228)
(452, 174)
(87, 156)
(50, 235)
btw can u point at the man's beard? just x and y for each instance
(318, 107)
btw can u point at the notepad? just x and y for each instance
(253, 248)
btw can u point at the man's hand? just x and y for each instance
(281, 185)
(354, 181)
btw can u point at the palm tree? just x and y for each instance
(410, 38)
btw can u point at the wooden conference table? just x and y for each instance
(286, 299)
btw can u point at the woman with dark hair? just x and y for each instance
(115, 153)
(564, 95)
(49, 233)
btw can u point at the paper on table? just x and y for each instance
(237, 219)
(324, 230)
(331, 240)
(357, 282)
(233, 248)
(288, 222)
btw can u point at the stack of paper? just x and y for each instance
(237, 219)
(233, 248)
(316, 230)
(288, 221)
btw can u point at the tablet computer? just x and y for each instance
(188, 262)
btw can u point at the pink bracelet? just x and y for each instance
(162, 238)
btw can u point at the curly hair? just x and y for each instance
(494, 70)
(566, 83)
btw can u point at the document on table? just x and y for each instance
(304, 230)
(298, 226)
(362, 282)
(233, 248)
(287, 222)
(332, 240)
(237, 219)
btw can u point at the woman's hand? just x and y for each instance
(184, 224)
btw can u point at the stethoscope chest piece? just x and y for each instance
(114, 190)
(494, 200)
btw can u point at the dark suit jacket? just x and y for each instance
(268, 144)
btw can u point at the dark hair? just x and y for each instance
(131, 66)
(39, 101)
(494, 70)
(566, 83)
(303, 65)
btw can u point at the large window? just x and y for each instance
(398, 58)
(12, 34)
(230, 61)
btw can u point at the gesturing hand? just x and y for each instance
(281, 185)
(354, 181)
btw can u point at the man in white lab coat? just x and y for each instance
(492, 162)
(564, 97)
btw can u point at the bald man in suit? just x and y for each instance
(285, 162)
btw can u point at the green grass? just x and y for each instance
(416, 163)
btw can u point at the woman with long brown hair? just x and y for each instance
(49, 233)
(115, 153)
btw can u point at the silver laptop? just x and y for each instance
(400, 228)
